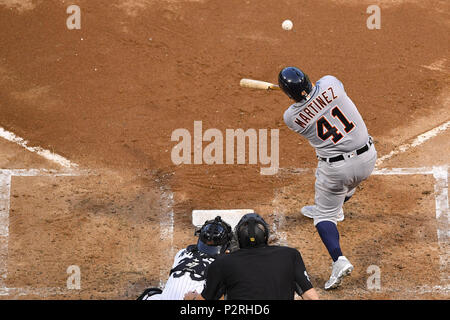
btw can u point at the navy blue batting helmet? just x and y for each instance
(295, 83)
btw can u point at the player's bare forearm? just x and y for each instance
(311, 294)
(193, 296)
(196, 296)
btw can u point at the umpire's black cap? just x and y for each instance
(252, 231)
(214, 237)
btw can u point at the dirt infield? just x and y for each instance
(109, 96)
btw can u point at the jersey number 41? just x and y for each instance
(325, 130)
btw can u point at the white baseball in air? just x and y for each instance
(287, 25)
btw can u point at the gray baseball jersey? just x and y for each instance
(329, 119)
(334, 127)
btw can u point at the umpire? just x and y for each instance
(257, 271)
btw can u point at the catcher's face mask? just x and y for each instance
(214, 237)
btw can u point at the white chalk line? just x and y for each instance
(438, 65)
(443, 219)
(44, 172)
(33, 291)
(416, 142)
(5, 194)
(278, 221)
(5, 187)
(418, 290)
(166, 227)
(47, 154)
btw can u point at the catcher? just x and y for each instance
(188, 272)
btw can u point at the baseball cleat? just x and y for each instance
(340, 216)
(341, 268)
(309, 211)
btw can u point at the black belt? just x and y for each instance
(341, 157)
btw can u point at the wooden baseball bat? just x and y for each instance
(257, 84)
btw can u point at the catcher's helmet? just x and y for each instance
(252, 231)
(214, 236)
(295, 83)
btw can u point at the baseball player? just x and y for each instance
(188, 272)
(327, 117)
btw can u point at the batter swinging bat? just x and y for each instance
(256, 84)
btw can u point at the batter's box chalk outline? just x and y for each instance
(166, 230)
(440, 174)
(5, 194)
(44, 153)
(415, 143)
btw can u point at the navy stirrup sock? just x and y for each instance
(330, 237)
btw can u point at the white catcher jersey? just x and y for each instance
(329, 119)
(187, 274)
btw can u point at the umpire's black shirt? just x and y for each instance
(262, 273)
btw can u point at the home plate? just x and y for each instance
(232, 217)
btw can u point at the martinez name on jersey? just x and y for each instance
(317, 104)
